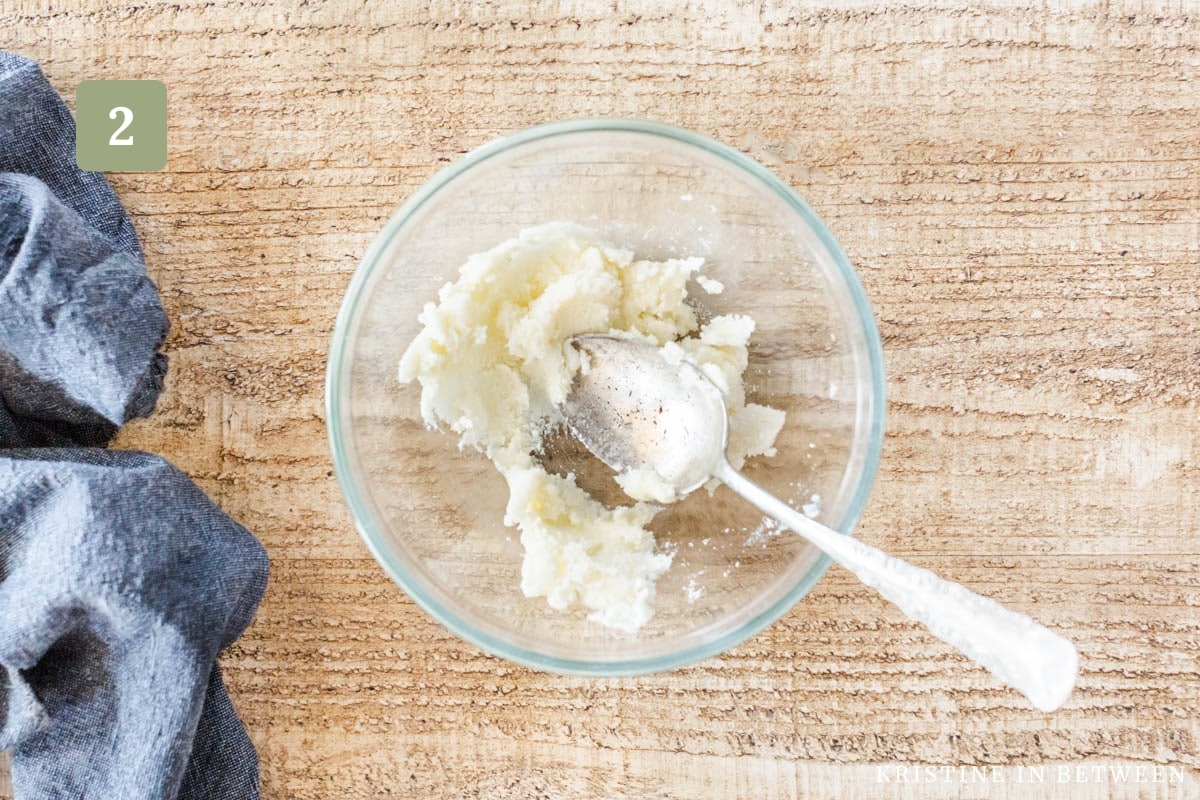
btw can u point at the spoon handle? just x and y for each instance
(1020, 652)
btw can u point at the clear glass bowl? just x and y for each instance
(433, 515)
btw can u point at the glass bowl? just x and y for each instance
(433, 514)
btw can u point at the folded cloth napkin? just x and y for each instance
(119, 580)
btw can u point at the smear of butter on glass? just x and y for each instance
(493, 363)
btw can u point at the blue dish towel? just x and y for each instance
(119, 580)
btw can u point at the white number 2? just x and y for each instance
(127, 117)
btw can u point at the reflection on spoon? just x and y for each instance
(638, 411)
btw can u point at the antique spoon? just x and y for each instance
(634, 408)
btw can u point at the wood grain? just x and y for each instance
(1019, 187)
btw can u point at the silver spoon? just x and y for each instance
(633, 408)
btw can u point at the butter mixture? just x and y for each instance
(494, 365)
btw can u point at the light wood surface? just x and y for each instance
(1019, 187)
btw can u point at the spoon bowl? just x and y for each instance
(630, 428)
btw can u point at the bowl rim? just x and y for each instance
(339, 363)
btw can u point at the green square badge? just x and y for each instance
(121, 126)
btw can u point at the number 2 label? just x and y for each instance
(120, 126)
(126, 119)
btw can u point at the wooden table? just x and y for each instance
(1020, 191)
